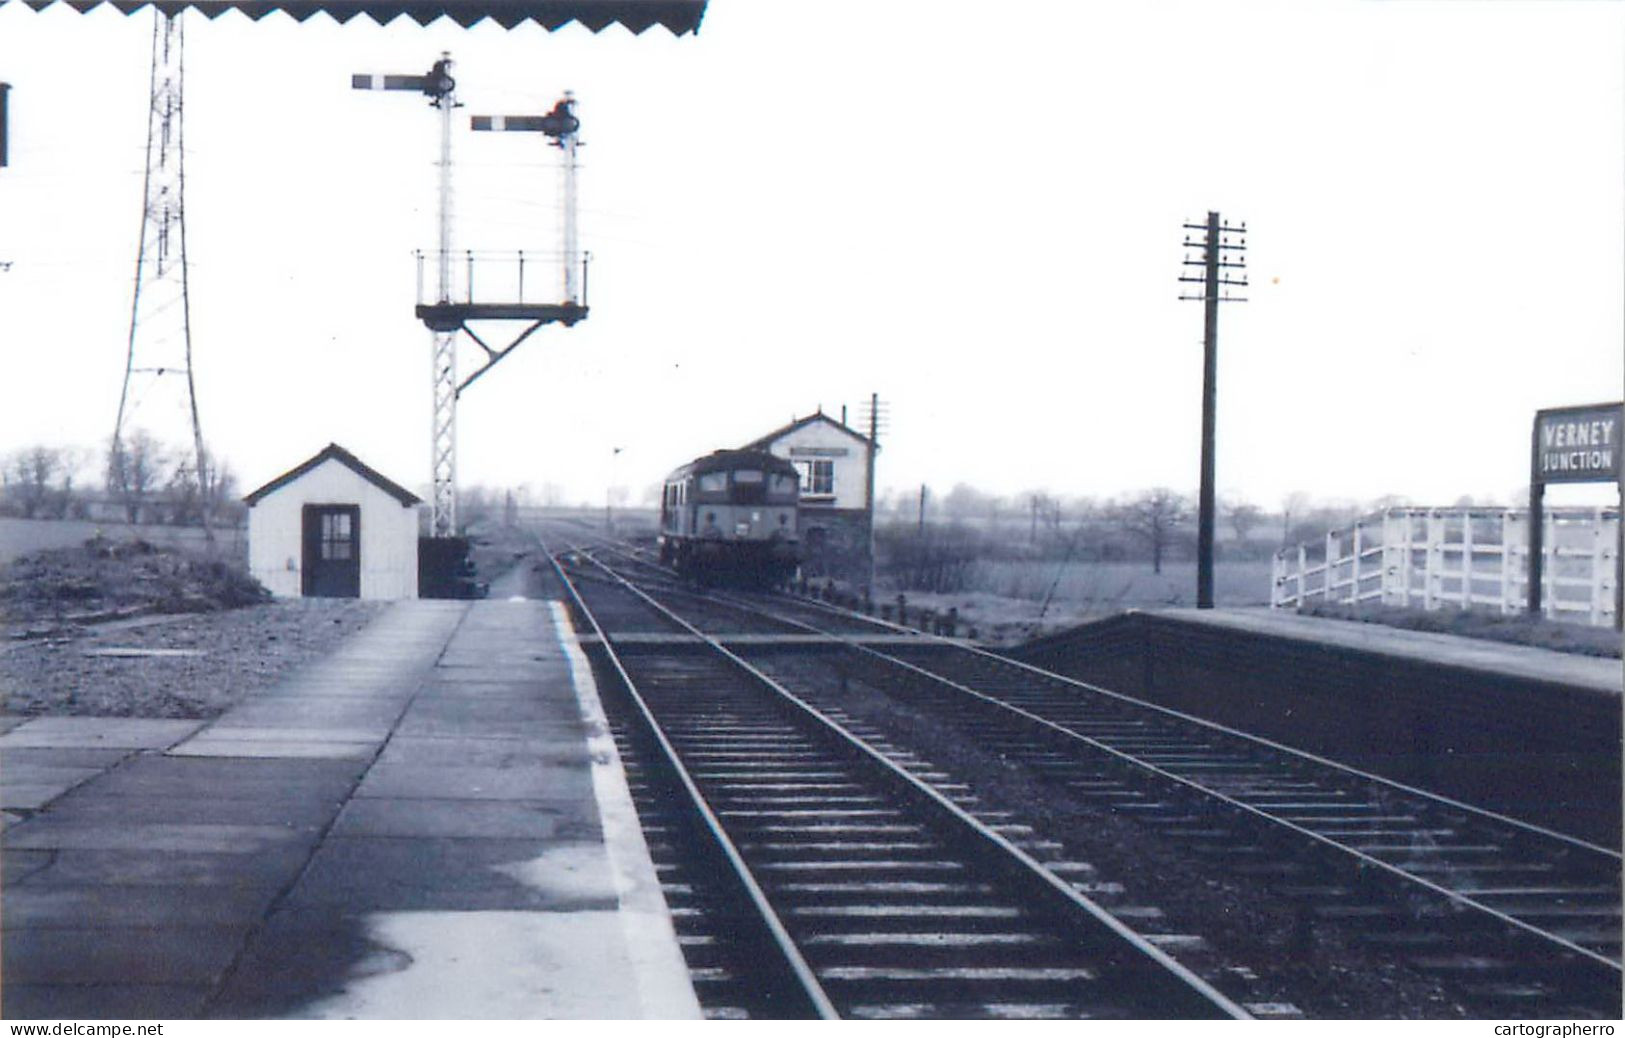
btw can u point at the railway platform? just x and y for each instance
(430, 823)
(1591, 673)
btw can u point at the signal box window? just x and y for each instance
(782, 488)
(817, 476)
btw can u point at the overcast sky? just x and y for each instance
(973, 210)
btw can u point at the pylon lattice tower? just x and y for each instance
(160, 394)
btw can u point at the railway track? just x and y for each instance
(871, 894)
(1518, 919)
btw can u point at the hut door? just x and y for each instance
(332, 551)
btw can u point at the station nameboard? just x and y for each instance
(1578, 444)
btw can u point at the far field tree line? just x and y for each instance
(140, 480)
(925, 535)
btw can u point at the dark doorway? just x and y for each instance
(332, 567)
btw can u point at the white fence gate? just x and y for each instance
(1467, 558)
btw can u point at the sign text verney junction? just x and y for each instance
(1578, 444)
(1574, 445)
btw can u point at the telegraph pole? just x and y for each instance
(877, 419)
(5, 91)
(1223, 262)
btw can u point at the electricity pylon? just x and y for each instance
(159, 391)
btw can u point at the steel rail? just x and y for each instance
(1034, 870)
(1304, 755)
(1259, 813)
(814, 992)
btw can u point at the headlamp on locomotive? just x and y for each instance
(731, 517)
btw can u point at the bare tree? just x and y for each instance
(1293, 507)
(135, 467)
(965, 502)
(183, 493)
(1153, 516)
(936, 559)
(221, 494)
(31, 472)
(1243, 517)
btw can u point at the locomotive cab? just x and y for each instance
(730, 517)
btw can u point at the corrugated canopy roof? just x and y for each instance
(680, 16)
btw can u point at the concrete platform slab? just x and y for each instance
(18, 773)
(193, 956)
(479, 856)
(97, 733)
(311, 811)
(273, 867)
(39, 905)
(499, 965)
(47, 833)
(558, 747)
(377, 687)
(490, 727)
(16, 866)
(31, 797)
(476, 819)
(102, 1001)
(522, 708)
(245, 779)
(204, 746)
(225, 730)
(437, 874)
(60, 757)
(440, 687)
(300, 957)
(1590, 672)
(537, 782)
(317, 712)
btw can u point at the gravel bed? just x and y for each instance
(210, 661)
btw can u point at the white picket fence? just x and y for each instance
(1466, 558)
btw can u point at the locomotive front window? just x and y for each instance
(713, 482)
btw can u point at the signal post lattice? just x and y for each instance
(445, 318)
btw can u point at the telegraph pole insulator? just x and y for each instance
(1223, 261)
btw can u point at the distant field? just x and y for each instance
(1004, 598)
(21, 536)
(1111, 587)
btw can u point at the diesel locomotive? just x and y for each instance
(730, 517)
